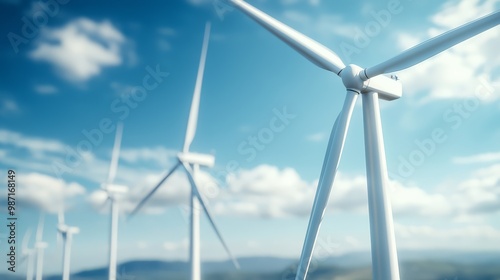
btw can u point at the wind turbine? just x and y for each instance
(66, 232)
(371, 85)
(112, 193)
(191, 162)
(39, 247)
(28, 254)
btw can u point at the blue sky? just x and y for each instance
(77, 68)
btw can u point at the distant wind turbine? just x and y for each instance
(66, 232)
(372, 85)
(28, 254)
(40, 247)
(112, 193)
(190, 163)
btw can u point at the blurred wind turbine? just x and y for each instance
(112, 193)
(66, 232)
(28, 254)
(39, 246)
(372, 85)
(190, 163)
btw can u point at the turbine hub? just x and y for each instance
(351, 79)
(195, 158)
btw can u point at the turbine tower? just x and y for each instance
(113, 192)
(372, 86)
(66, 232)
(40, 247)
(191, 162)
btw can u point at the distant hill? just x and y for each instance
(421, 265)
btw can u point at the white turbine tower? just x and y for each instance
(190, 163)
(40, 247)
(371, 85)
(113, 192)
(28, 254)
(66, 232)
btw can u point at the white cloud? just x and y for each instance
(81, 49)
(163, 42)
(49, 155)
(122, 90)
(164, 45)
(479, 194)
(480, 158)
(167, 31)
(175, 191)
(316, 137)
(176, 247)
(8, 106)
(33, 144)
(324, 25)
(45, 192)
(46, 89)
(158, 154)
(267, 191)
(471, 237)
(415, 201)
(199, 2)
(293, 2)
(455, 73)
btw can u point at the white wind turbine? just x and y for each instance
(371, 85)
(190, 163)
(39, 247)
(28, 254)
(113, 192)
(66, 232)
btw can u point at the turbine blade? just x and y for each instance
(207, 211)
(195, 103)
(39, 230)
(115, 156)
(307, 47)
(141, 203)
(23, 258)
(105, 203)
(328, 172)
(26, 240)
(434, 46)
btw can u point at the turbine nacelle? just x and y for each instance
(64, 229)
(354, 78)
(198, 159)
(114, 189)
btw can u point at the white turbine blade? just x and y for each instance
(59, 236)
(141, 203)
(39, 230)
(310, 49)
(207, 211)
(23, 258)
(116, 154)
(105, 203)
(195, 104)
(26, 240)
(330, 165)
(434, 46)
